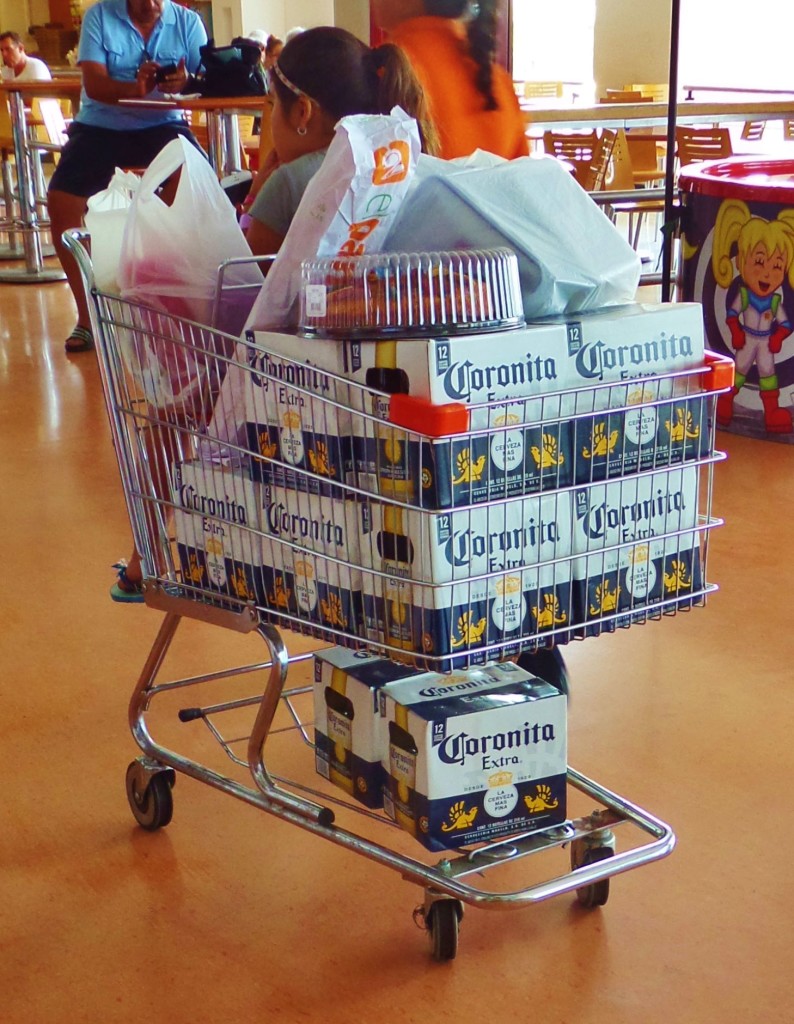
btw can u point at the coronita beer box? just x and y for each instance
(448, 626)
(626, 565)
(310, 554)
(295, 439)
(215, 519)
(656, 422)
(520, 444)
(347, 739)
(513, 555)
(473, 756)
(441, 547)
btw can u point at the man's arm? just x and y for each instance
(100, 86)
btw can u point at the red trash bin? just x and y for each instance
(738, 260)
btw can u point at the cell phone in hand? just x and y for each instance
(165, 72)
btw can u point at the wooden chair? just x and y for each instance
(198, 125)
(753, 130)
(644, 151)
(694, 145)
(658, 92)
(624, 177)
(788, 130)
(49, 121)
(587, 152)
(533, 90)
(624, 96)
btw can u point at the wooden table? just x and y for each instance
(25, 155)
(222, 128)
(651, 115)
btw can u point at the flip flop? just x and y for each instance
(124, 590)
(80, 340)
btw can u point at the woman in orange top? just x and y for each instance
(451, 44)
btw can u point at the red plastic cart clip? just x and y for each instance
(422, 417)
(719, 373)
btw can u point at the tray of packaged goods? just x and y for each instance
(410, 294)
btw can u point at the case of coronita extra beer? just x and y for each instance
(216, 514)
(347, 751)
(473, 756)
(652, 420)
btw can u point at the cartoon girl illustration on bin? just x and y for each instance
(756, 316)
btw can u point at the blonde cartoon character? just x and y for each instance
(756, 318)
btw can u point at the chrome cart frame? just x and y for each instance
(146, 421)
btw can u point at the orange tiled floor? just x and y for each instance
(232, 915)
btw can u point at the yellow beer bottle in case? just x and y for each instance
(402, 768)
(394, 481)
(339, 718)
(397, 552)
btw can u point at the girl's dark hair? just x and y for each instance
(273, 43)
(481, 32)
(344, 76)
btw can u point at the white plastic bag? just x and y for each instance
(570, 256)
(347, 207)
(170, 254)
(169, 263)
(105, 220)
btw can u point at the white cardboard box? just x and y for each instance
(473, 756)
(347, 739)
(214, 505)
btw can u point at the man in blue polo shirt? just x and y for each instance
(122, 45)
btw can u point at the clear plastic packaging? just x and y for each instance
(410, 294)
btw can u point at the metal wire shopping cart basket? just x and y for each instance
(266, 494)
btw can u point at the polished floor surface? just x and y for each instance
(232, 915)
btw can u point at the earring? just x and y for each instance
(301, 129)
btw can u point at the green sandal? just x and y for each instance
(124, 590)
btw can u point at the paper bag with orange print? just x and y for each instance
(347, 207)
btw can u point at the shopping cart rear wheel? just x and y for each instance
(152, 807)
(443, 924)
(597, 893)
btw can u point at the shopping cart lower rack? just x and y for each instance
(265, 494)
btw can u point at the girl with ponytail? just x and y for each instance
(452, 46)
(322, 75)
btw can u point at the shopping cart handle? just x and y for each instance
(423, 417)
(719, 372)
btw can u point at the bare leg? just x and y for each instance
(164, 447)
(66, 211)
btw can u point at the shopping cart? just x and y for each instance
(272, 495)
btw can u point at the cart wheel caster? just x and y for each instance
(442, 920)
(151, 801)
(582, 855)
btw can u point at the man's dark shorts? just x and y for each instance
(92, 154)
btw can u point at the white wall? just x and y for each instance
(232, 18)
(632, 41)
(19, 15)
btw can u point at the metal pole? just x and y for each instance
(669, 175)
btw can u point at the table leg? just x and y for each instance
(33, 271)
(231, 133)
(13, 250)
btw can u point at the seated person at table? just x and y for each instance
(122, 44)
(322, 75)
(17, 65)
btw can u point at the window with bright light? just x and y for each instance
(554, 42)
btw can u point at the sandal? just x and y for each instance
(80, 340)
(125, 590)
